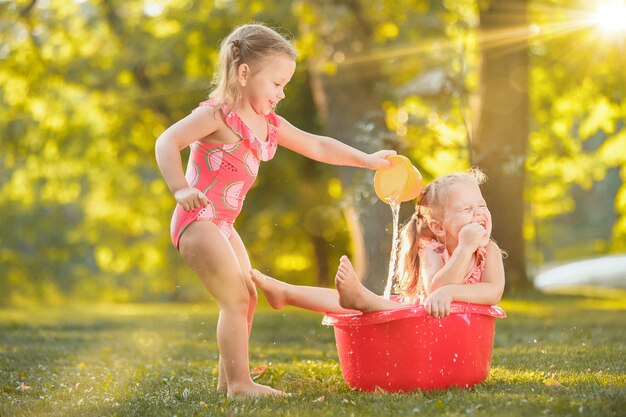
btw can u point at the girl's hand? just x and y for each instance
(437, 304)
(191, 198)
(379, 159)
(472, 235)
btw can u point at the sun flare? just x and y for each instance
(611, 17)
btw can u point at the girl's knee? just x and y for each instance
(238, 301)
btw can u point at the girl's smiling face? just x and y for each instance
(263, 86)
(465, 204)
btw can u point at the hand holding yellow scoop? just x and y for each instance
(399, 182)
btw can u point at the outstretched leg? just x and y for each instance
(354, 295)
(211, 256)
(280, 294)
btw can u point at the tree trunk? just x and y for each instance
(351, 102)
(346, 102)
(320, 248)
(500, 140)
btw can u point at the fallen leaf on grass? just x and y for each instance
(551, 382)
(259, 370)
(379, 391)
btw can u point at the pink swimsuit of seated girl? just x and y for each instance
(225, 173)
(475, 271)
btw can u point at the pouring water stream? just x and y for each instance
(394, 203)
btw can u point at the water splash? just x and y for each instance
(393, 260)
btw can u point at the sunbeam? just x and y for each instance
(598, 27)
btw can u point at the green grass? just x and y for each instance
(559, 354)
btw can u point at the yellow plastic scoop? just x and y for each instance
(399, 182)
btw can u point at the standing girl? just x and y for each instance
(446, 245)
(229, 135)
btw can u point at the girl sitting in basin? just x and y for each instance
(445, 245)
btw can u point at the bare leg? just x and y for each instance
(354, 295)
(244, 262)
(211, 256)
(280, 294)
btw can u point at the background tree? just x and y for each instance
(577, 142)
(500, 140)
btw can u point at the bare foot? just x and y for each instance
(275, 290)
(352, 294)
(252, 389)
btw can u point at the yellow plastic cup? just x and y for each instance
(399, 182)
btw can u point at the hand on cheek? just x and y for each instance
(472, 235)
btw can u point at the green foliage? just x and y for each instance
(86, 87)
(578, 138)
(554, 354)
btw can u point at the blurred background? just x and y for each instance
(533, 92)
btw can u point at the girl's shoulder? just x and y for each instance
(208, 109)
(433, 250)
(432, 245)
(208, 105)
(493, 246)
(494, 251)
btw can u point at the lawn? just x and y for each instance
(557, 354)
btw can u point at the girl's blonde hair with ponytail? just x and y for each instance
(248, 44)
(430, 203)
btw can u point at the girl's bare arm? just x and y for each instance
(491, 286)
(437, 274)
(195, 126)
(328, 150)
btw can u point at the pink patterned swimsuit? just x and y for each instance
(474, 273)
(225, 173)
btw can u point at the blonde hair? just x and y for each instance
(248, 44)
(433, 198)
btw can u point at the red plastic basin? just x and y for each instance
(406, 350)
